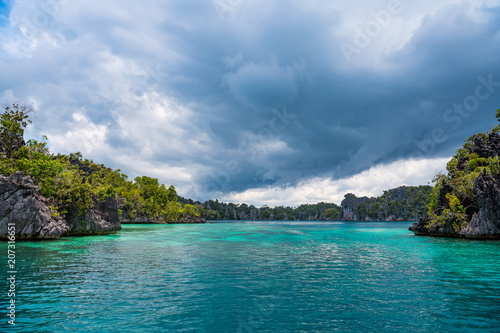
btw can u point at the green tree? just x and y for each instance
(13, 121)
(332, 213)
(172, 194)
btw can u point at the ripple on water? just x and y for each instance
(275, 277)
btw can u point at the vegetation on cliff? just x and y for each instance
(405, 203)
(71, 182)
(453, 197)
(215, 210)
(465, 202)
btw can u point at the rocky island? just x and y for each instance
(465, 203)
(404, 203)
(22, 204)
(47, 196)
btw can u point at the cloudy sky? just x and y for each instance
(264, 102)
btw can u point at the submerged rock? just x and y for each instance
(22, 204)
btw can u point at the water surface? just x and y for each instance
(257, 277)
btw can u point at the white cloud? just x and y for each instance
(85, 137)
(149, 140)
(368, 183)
(168, 89)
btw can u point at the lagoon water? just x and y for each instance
(257, 277)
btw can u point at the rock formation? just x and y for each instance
(485, 222)
(22, 204)
(405, 203)
(482, 210)
(102, 219)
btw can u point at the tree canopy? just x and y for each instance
(72, 183)
(13, 121)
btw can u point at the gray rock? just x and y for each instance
(22, 204)
(102, 219)
(484, 224)
(428, 227)
(397, 204)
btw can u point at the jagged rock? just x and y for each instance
(350, 205)
(489, 148)
(397, 204)
(484, 224)
(427, 227)
(482, 211)
(83, 167)
(443, 203)
(22, 203)
(102, 219)
(243, 216)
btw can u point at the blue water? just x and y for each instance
(257, 277)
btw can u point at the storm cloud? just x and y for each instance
(228, 99)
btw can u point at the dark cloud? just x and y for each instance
(256, 94)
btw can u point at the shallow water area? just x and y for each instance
(257, 276)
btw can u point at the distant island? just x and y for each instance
(45, 195)
(405, 203)
(465, 203)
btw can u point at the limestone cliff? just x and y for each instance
(467, 201)
(484, 222)
(405, 203)
(22, 204)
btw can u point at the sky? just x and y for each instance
(263, 102)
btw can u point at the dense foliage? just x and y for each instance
(453, 197)
(72, 183)
(12, 123)
(215, 210)
(403, 203)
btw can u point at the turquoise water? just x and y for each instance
(257, 277)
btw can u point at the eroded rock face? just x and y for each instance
(484, 224)
(397, 204)
(102, 219)
(428, 227)
(22, 204)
